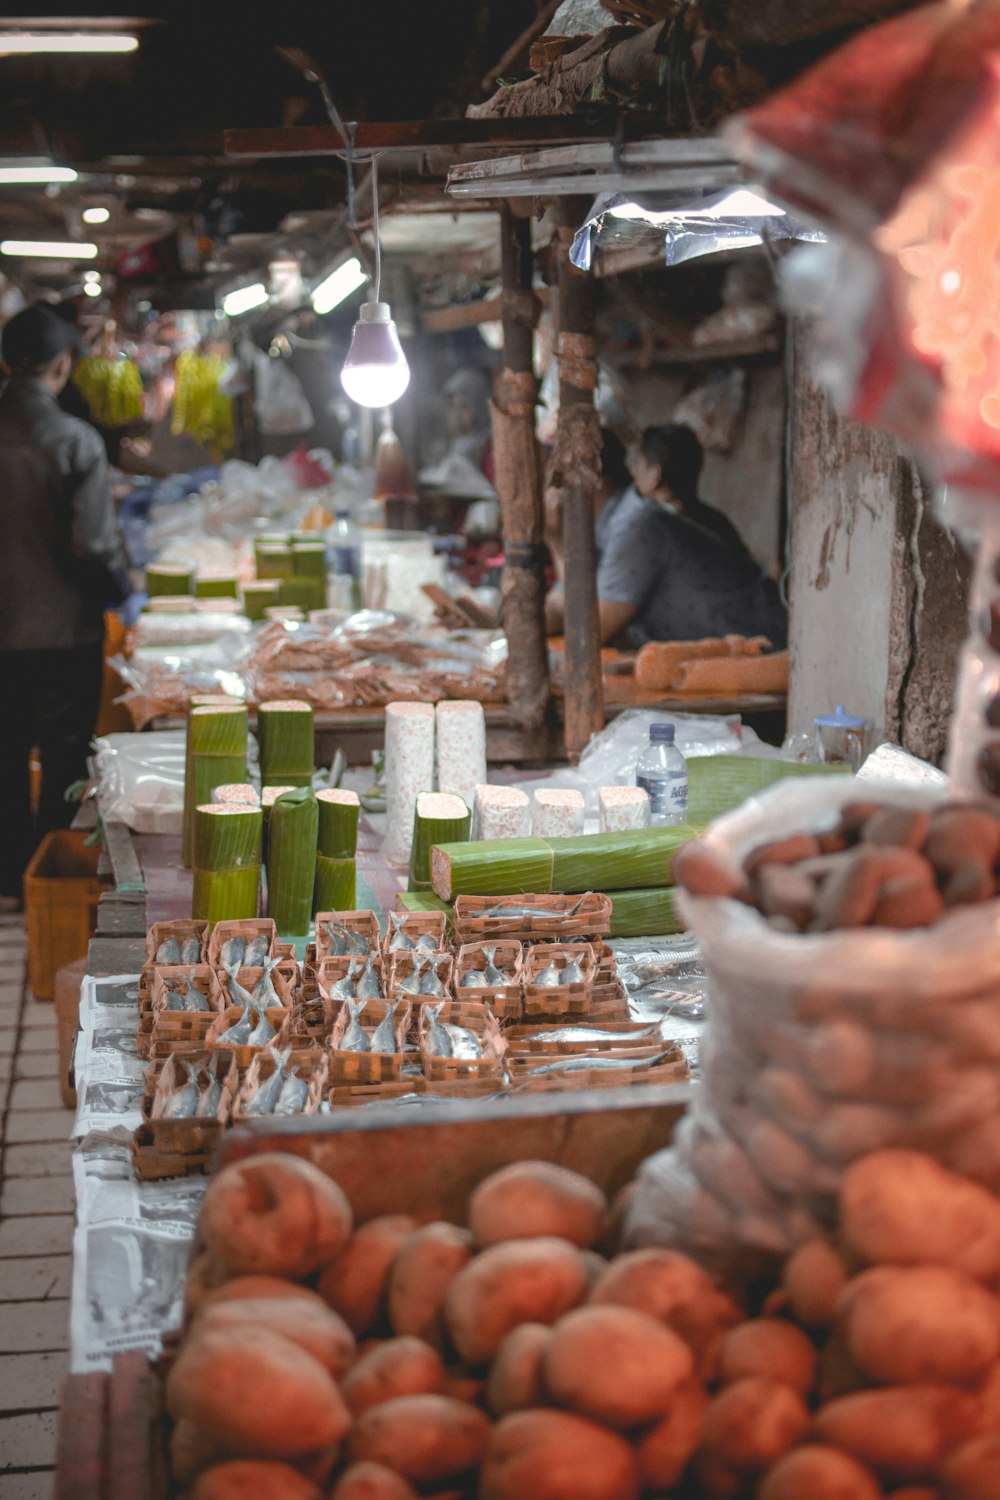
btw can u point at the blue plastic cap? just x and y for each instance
(838, 720)
(661, 734)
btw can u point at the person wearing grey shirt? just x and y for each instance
(63, 562)
(673, 568)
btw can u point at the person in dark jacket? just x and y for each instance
(61, 564)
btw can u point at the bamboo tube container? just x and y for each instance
(291, 860)
(226, 862)
(461, 747)
(215, 753)
(274, 560)
(169, 578)
(285, 733)
(216, 588)
(237, 794)
(409, 769)
(438, 818)
(305, 593)
(258, 596)
(336, 844)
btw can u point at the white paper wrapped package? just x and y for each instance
(461, 747)
(820, 1048)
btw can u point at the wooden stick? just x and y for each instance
(519, 481)
(574, 470)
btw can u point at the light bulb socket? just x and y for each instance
(374, 312)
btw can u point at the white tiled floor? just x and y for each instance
(36, 1223)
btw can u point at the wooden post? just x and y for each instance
(574, 470)
(519, 481)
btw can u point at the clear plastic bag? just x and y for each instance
(820, 1048)
(142, 779)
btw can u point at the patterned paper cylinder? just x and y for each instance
(557, 813)
(461, 748)
(409, 769)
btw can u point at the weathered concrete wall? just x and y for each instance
(877, 591)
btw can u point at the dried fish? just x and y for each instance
(532, 911)
(263, 1032)
(593, 1034)
(237, 993)
(427, 942)
(210, 1096)
(585, 1063)
(233, 951)
(572, 973)
(238, 1034)
(267, 1096)
(258, 950)
(343, 940)
(475, 979)
(182, 1104)
(355, 1038)
(191, 951)
(400, 941)
(493, 974)
(430, 982)
(384, 1035)
(344, 989)
(550, 977)
(436, 1037)
(464, 1043)
(264, 993)
(294, 1095)
(410, 985)
(169, 952)
(185, 996)
(368, 986)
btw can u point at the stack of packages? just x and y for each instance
(214, 1007)
(291, 577)
(181, 585)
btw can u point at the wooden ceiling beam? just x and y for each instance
(419, 135)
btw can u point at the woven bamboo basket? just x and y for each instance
(562, 999)
(593, 920)
(504, 1000)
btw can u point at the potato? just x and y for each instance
(354, 1284)
(673, 1289)
(838, 1375)
(424, 1438)
(920, 1323)
(192, 1449)
(615, 1365)
(814, 1277)
(268, 1287)
(530, 1199)
(972, 1472)
(275, 1214)
(902, 1207)
(698, 870)
(552, 1455)
(818, 1473)
(257, 1392)
(399, 1367)
(258, 1477)
(317, 1330)
(751, 1423)
(903, 1432)
(516, 1373)
(665, 1451)
(521, 1281)
(768, 1346)
(421, 1273)
(463, 1387)
(372, 1482)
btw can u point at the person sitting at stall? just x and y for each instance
(612, 490)
(673, 568)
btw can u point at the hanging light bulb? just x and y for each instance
(375, 372)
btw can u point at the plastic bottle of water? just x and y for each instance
(662, 773)
(344, 561)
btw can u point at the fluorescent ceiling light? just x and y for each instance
(13, 43)
(244, 298)
(95, 215)
(55, 249)
(37, 172)
(338, 285)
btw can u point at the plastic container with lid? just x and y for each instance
(840, 737)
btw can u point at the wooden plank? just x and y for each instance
(427, 1160)
(120, 918)
(132, 1409)
(124, 856)
(115, 955)
(471, 314)
(81, 1451)
(418, 135)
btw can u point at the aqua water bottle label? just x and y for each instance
(668, 795)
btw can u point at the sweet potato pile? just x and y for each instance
(512, 1360)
